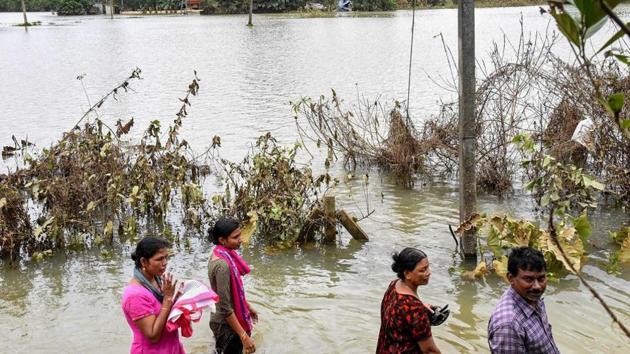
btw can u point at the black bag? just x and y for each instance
(439, 315)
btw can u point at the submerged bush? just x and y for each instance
(92, 185)
(269, 186)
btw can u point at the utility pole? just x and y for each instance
(251, 9)
(24, 13)
(111, 13)
(467, 138)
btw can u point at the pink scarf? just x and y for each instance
(238, 268)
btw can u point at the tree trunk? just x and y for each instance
(24, 13)
(251, 9)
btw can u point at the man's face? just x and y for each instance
(530, 285)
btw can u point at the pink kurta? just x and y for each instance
(137, 303)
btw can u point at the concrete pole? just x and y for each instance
(467, 183)
(111, 14)
(251, 9)
(24, 13)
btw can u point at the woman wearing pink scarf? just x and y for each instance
(233, 322)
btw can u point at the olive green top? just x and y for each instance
(219, 274)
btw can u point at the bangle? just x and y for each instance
(243, 336)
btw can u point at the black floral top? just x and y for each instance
(404, 322)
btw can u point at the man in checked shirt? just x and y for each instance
(519, 322)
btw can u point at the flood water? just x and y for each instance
(314, 300)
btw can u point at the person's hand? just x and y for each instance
(249, 346)
(169, 285)
(253, 314)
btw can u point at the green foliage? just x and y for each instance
(91, 183)
(73, 7)
(578, 28)
(242, 6)
(620, 256)
(503, 233)
(269, 184)
(374, 5)
(31, 5)
(557, 187)
(561, 191)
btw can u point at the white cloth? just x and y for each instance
(195, 297)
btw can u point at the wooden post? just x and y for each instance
(307, 232)
(251, 9)
(353, 228)
(24, 13)
(467, 183)
(330, 230)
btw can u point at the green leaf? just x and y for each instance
(109, 229)
(622, 58)
(568, 27)
(616, 101)
(625, 124)
(91, 206)
(592, 182)
(544, 200)
(582, 226)
(531, 185)
(592, 15)
(547, 160)
(612, 39)
(517, 139)
(494, 242)
(500, 266)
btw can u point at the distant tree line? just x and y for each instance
(32, 5)
(79, 7)
(62, 7)
(267, 6)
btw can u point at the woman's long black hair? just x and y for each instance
(406, 260)
(222, 228)
(147, 248)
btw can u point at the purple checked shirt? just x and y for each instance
(515, 327)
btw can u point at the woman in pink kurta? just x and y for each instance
(148, 299)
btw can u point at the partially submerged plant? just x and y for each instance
(268, 186)
(91, 183)
(620, 256)
(371, 134)
(563, 194)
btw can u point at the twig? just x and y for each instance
(554, 238)
(135, 74)
(413, 23)
(614, 17)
